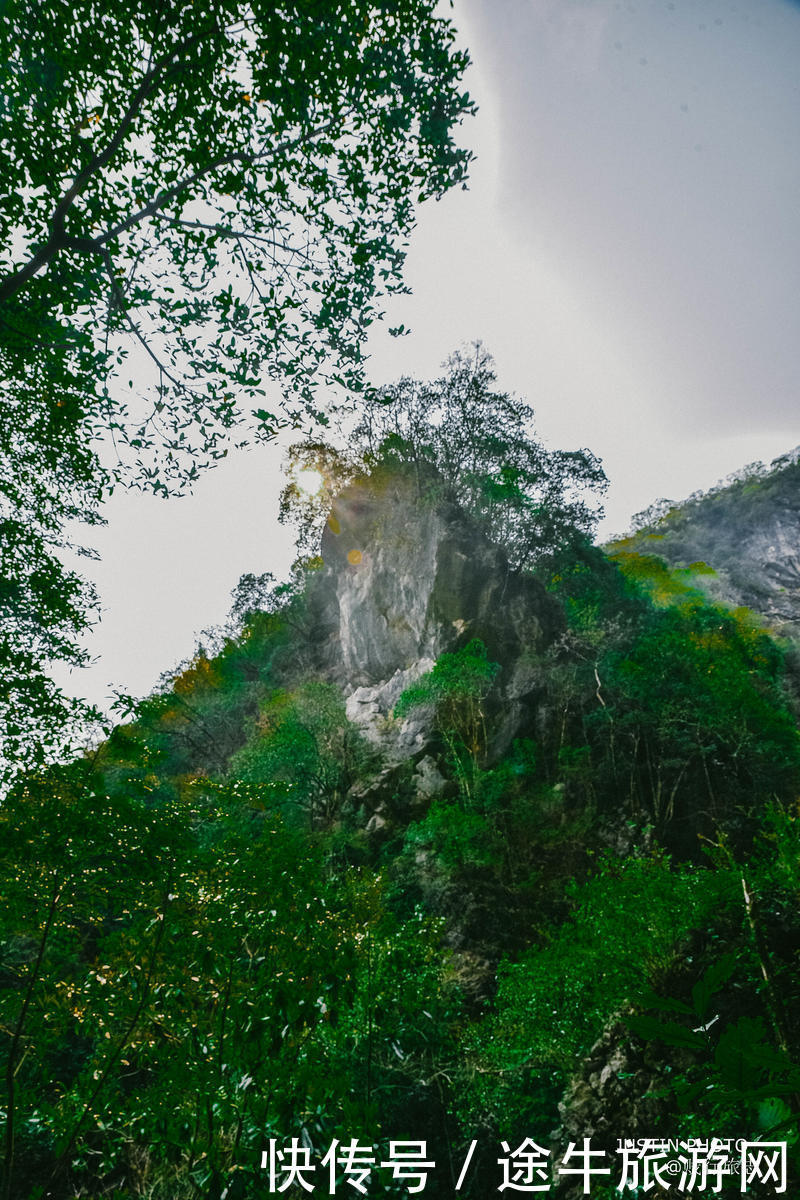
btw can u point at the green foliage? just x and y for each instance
(460, 440)
(771, 880)
(198, 200)
(180, 982)
(74, 867)
(305, 742)
(679, 703)
(736, 1076)
(199, 717)
(334, 122)
(456, 688)
(703, 688)
(459, 838)
(624, 932)
(475, 445)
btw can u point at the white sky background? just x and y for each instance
(628, 249)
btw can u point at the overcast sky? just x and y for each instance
(628, 249)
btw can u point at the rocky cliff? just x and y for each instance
(527, 913)
(406, 579)
(748, 531)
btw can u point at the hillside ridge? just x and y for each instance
(747, 529)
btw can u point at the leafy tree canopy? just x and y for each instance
(197, 199)
(470, 443)
(225, 189)
(304, 741)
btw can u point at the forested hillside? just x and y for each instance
(471, 848)
(427, 847)
(744, 534)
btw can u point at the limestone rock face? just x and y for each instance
(749, 532)
(406, 579)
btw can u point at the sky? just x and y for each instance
(628, 250)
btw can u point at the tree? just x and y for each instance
(180, 981)
(456, 687)
(197, 199)
(305, 742)
(466, 442)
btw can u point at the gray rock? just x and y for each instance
(428, 779)
(370, 708)
(749, 533)
(405, 580)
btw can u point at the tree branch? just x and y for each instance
(240, 235)
(227, 160)
(57, 238)
(119, 297)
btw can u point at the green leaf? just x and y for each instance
(668, 1032)
(715, 978)
(649, 999)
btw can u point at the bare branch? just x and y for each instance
(241, 235)
(120, 299)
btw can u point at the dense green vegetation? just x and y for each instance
(232, 920)
(203, 209)
(203, 947)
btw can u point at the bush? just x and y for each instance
(624, 934)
